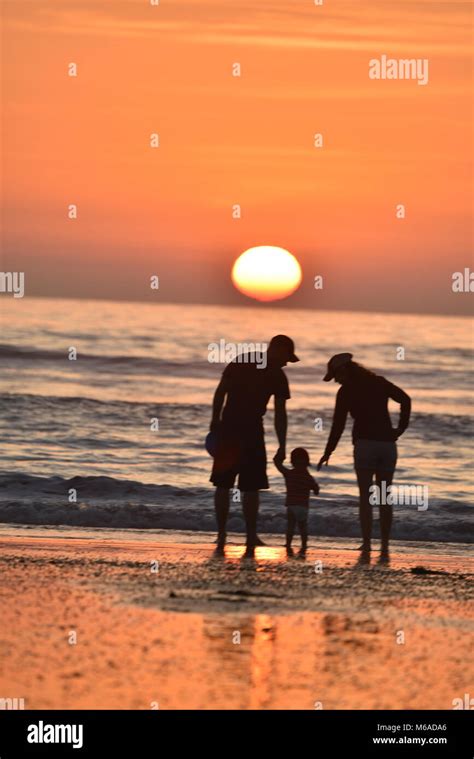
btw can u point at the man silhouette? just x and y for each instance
(246, 386)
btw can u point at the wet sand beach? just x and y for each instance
(159, 622)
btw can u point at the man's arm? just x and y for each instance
(217, 403)
(399, 395)
(280, 427)
(338, 423)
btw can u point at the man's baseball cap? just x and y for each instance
(283, 342)
(334, 363)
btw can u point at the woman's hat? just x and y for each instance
(334, 363)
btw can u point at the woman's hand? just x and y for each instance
(323, 460)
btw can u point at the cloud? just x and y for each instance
(350, 26)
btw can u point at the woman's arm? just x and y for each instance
(399, 395)
(338, 423)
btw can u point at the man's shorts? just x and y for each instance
(240, 451)
(376, 455)
(300, 513)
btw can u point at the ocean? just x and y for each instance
(124, 423)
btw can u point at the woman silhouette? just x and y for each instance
(365, 396)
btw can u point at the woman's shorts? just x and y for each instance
(376, 455)
(300, 513)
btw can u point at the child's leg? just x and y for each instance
(290, 528)
(303, 528)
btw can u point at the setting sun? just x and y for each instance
(266, 272)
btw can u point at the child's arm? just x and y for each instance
(314, 486)
(279, 465)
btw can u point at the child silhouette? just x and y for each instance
(299, 484)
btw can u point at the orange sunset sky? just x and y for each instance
(246, 140)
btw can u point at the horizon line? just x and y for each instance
(258, 304)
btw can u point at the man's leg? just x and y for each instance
(221, 503)
(250, 502)
(385, 511)
(364, 479)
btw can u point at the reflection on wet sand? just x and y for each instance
(244, 648)
(233, 633)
